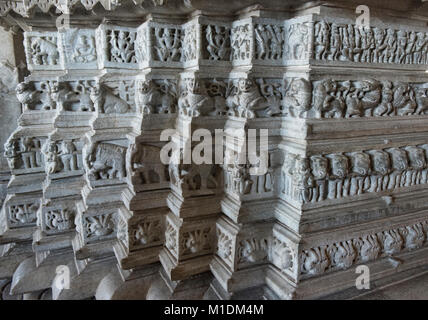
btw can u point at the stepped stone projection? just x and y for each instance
(340, 115)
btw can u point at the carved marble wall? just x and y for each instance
(343, 108)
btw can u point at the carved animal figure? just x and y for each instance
(44, 52)
(106, 102)
(325, 101)
(145, 160)
(152, 99)
(298, 97)
(404, 102)
(194, 101)
(422, 100)
(31, 98)
(363, 100)
(109, 162)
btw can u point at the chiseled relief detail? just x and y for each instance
(344, 254)
(120, 45)
(42, 50)
(253, 250)
(99, 227)
(216, 42)
(269, 41)
(297, 41)
(167, 45)
(225, 245)
(349, 99)
(190, 43)
(62, 156)
(197, 241)
(251, 98)
(37, 96)
(156, 96)
(79, 47)
(146, 233)
(23, 214)
(240, 182)
(106, 161)
(142, 44)
(146, 168)
(336, 176)
(58, 219)
(203, 97)
(108, 99)
(171, 238)
(241, 42)
(24, 153)
(347, 42)
(282, 255)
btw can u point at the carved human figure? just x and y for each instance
(51, 153)
(335, 42)
(168, 44)
(399, 162)
(68, 155)
(380, 45)
(385, 107)
(417, 163)
(29, 149)
(262, 39)
(339, 169)
(322, 40)
(303, 180)
(410, 47)
(401, 47)
(391, 46)
(218, 39)
(360, 170)
(12, 154)
(381, 167)
(247, 102)
(287, 170)
(84, 49)
(319, 169)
